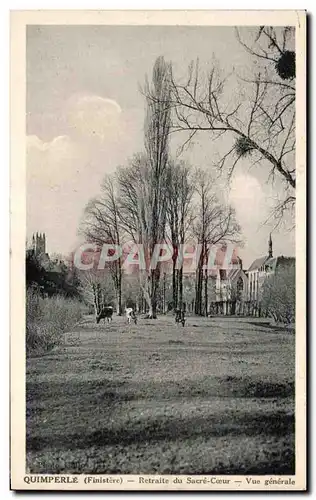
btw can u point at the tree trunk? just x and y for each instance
(119, 302)
(149, 287)
(196, 301)
(95, 299)
(145, 285)
(120, 288)
(198, 291)
(164, 294)
(205, 292)
(180, 285)
(155, 278)
(174, 285)
(150, 311)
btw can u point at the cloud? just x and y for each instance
(249, 200)
(52, 177)
(91, 125)
(253, 201)
(94, 117)
(51, 163)
(35, 142)
(65, 172)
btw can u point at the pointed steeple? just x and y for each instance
(270, 247)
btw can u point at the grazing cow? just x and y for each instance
(180, 317)
(130, 315)
(105, 312)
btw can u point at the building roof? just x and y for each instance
(258, 263)
(271, 262)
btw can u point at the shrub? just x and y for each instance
(278, 296)
(47, 319)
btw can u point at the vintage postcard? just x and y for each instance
(158, 251)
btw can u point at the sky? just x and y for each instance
(85, 116)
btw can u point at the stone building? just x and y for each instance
(229, 284)
(38, 246)
(257, 273)
(39, 243)
(263, 267)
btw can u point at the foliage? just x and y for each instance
(54, 277)
(47, 319)
(278, 294)
(34, 271)
(285, 66)
(243, 147)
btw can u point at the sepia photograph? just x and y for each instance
(158, 292)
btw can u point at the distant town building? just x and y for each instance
(234, 289)
(38, 246)
(229, 284)
(261, 268)
(39, 243)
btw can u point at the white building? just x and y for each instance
(257, 273)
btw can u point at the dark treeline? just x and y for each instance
(51, 277)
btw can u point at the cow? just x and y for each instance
(105, 313)
(180, 317)
(130, 315)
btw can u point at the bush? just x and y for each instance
(47, 319)
(278, 297)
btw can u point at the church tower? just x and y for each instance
(39, 243)
(270, 247)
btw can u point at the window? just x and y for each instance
(240, 287)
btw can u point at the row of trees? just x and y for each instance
(155, 198)
(188, 208)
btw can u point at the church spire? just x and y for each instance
(270, 247)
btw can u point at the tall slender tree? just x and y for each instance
(101, 225)
(153, 191)
(215, 223)
(179, 215)
(140, 206)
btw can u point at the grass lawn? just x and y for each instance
(214, 397)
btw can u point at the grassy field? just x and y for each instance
(214, 397)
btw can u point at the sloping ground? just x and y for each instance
(214, 397)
